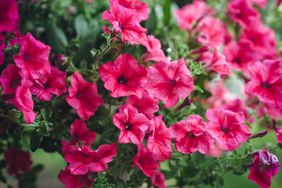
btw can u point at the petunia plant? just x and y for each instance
(141, 93)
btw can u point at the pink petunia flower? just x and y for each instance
(81, 134)
(146, 161)
(265, 165)
(190, 14)
(83, 96)
(55, 83)
(227, 128)
(278, 132)
(190, 135)
(266, 81)
(33, 58)
(131, 123)
(18, 161)
(9, 16)
(84, 160)
(75, 181)
(159, 142)
(124, 22)
(260, 3)
(158, 180)
(124, 76)
(169, 81)
(154, 51)
(10, 79)
(145, 105)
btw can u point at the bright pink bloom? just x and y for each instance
(278, 132)
(146, 161)
(212, 32)
(74, 181)
(18, 161)
(242, 12)
(190, 14)
(81, 134)
(159, 142)
(266, 81)
(124, 21)
(141, 9)
(55, 84)
(265, 165)
(227, 128)
(131, 123)
(158, 180)
(33, 58)
(236, 105)
(260, 3)
(215, 61)
(2, 46)
(145, 105)
(10, 79)
(274, 111)
(154, 50)
(9, 16)
(190, 135)
(169, 81)
(84, 160)
(83, 96)
(124, 76)
(23, 101)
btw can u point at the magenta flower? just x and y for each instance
(9, 16)
(146, 161)
(265, 165)
(145, 105)
(169, 81)
(124, 76)
(266, 81)
(278, 132)
(190, 135)
(18, 161)
(227, 128)
(33, 58)
(124, 22)
(2, 46)
(159, 142)
(55, 84)
(158, 180)
(154, 50)
(131, 123)
(81, 134)
(83, 96)
(10, 79)
(74, 181)
(84, 160)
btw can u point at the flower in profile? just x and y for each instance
(193, 13)
(131, 123)
(266, 81)
(158, 180)
(124, 22)
(81, 134)
(33, 58)
(18, 161)
(83, 96)
(9, 16)
(154, 50)
(169, 81)
(145, 105)
(84, 160)
(227, 128)
(53, 84)
(75, 181)
(265, 165)
(159, 142)
(10, 79)
(190, 135)
(146, 161)
(124, 76)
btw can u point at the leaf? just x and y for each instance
(56, 37)
(81, 26)
(167, 12)
(35, 140)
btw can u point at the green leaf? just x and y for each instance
(81, 26)
(167, 12)
(56, 37)
(35, 140)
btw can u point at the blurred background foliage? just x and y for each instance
(74, 28)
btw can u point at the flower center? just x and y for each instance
(237, 60)
(15, 83)
(127, 126)
(122, 80)
(224, 129)
(26, 57)
(266, 84)
(172, 82)
(190, 135)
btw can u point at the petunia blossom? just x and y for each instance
(131, 123)
(81, 134)
(227, 128)
(75, 181)
(169, 82)
(124, 76)
(191, 135)
(158, 180)
(154, 51)
(10, 79)
(83, 96)
(9, 16)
